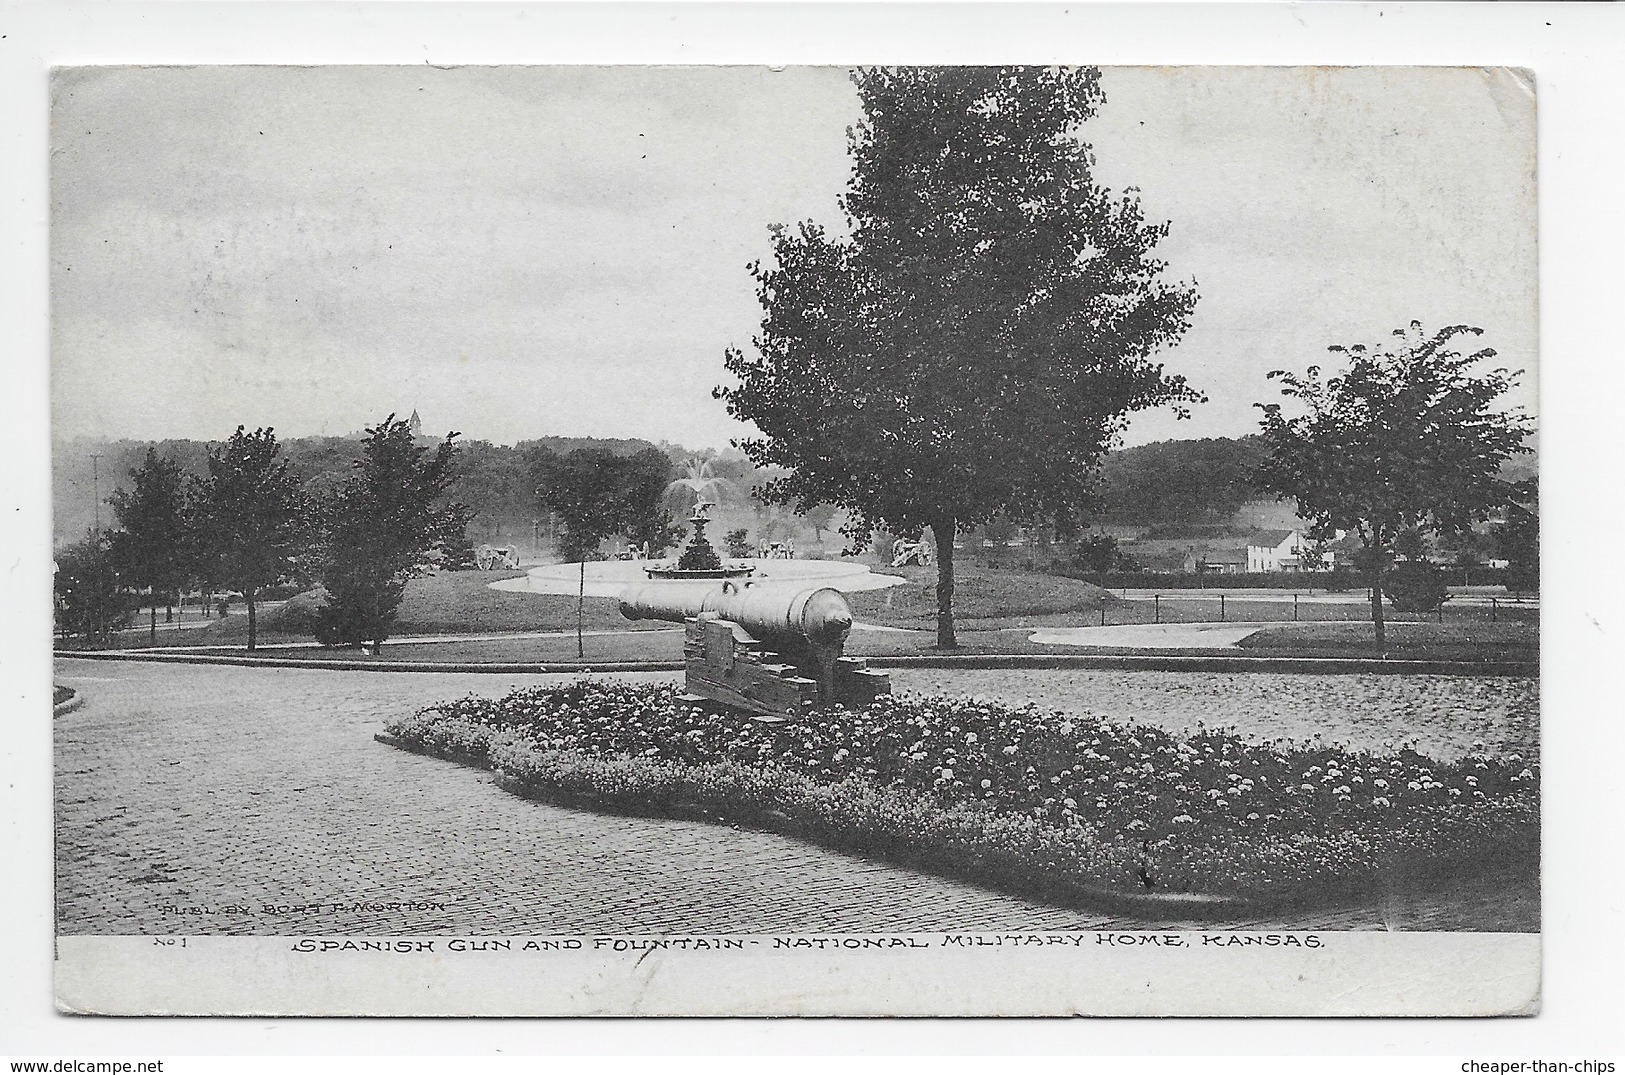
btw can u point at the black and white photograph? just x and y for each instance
(812, 540)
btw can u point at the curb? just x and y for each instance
(586, 667)
(1033, 661)
(1194, 906)
(1210, 663)
(68, 704)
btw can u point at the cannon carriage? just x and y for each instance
(496, 558)
(772, 651)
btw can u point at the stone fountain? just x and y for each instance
(699, 560)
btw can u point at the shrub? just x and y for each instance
(1337, 580)
(298, 615)
(360, 609)
(1045, 796)
(92, 602)
(1415, 586)
(1118, 578)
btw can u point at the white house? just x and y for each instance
(1275, 550)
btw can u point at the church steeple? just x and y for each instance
(414, 424)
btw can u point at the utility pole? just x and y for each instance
(96, 490)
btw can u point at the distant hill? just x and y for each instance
(1174, 487)
(1181, 483)
(494, 478)
(617, 445)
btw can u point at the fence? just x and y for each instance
(1184, 606)
(1319, 581)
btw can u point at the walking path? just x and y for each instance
(407, 640)
(211, 800)
(1151, 635)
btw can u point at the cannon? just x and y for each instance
(770, 650)
(492, 557)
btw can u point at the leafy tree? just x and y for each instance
(1415, 586)
(595, 493)
(1179, 484)
(247, 514)
(975, 345)
(774, 522)
(641, 482)
(386, 524)
(459, 554)
(152, 549)
(993, 538)
(820, 517)
(92, 601)
(1405, 440)
(494, 481)
(736, 543)
(1097, 553)
(1518, 541)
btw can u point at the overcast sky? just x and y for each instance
(518, 252)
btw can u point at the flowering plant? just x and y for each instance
(1209, 812)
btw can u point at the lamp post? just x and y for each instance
(96, 490)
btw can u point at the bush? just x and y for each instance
(360, 609)
(457, 555)
(1063, 799)
(1415, 586)
(92, 603)
(298, 615)
(1522, 578)
(1118, 579)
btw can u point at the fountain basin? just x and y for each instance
(667, 569)
(607, 578)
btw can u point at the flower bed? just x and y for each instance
(1031, 799)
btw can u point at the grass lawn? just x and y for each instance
(644, 645)
(453, 602)
(994, 609)
(1477, 641)
(463, 601)
(984, 598)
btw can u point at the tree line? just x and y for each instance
(245, 521)
(967, 347)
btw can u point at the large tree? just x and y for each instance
(1518, 541)
(151, 550)
(247, 511)
(643, 481)
(596, 493)
(974, 342)
(387, 523)
(92, 601)
(1408, 441)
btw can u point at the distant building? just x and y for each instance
(1275, 550)
(1258, 553)
(1230, 560)
(414, 424)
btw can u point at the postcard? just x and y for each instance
(795, 541)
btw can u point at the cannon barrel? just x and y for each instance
(819, 616)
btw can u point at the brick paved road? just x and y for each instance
(219, 800)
